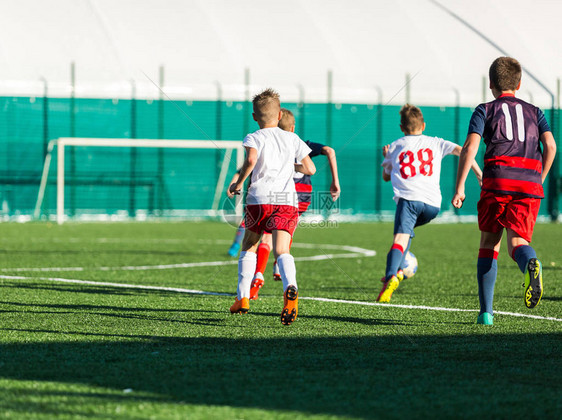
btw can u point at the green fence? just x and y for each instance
(129, 182)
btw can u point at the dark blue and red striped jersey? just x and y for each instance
(303, 184)
(511, 128)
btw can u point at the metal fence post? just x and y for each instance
(72, 150)
(329, 124)
(301, 127)
(554, 185)
(408, 80)
(160, 195)
(246, 120)
(45, 128)
(133, 154)
(456, 134)
(218, 130)
(378, 154)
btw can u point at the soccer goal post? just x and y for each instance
(61, 145)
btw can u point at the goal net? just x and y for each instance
(112, 179)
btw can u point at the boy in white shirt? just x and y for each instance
(413, 164)
(271, 203)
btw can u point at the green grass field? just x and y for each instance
(83, 350)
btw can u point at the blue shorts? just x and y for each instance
(411, 214)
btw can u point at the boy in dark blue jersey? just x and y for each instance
(514, 170)
(303, 187)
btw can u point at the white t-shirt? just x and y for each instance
(414, 165)
(272, 177)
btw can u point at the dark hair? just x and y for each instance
(505, 73)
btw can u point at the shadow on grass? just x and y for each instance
(481, 375)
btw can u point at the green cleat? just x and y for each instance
(485, 318)
(533, 283)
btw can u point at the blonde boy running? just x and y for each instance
(303, 186)
(272, 203)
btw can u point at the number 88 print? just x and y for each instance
(407, 160)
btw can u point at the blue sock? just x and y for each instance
(393, 260)
(486, 273)
(405, 253)
(522, 254)
(239, 235)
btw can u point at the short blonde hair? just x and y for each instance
(411, 118)
(505, 73)
(266, 105)
(287, 119)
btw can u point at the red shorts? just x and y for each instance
(269, 217)
(498, 211)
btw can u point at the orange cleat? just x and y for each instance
(256, 285)
(291, 305)
(240, 306)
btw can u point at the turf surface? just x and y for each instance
(100, 351)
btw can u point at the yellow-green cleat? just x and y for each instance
(388, 287)
(533, 283)
(485, 318)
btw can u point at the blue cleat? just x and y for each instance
(233, 251)
(485, 318)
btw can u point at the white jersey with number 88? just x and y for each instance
(414, 165)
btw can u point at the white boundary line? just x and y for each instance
(202, 292)
(352, 252)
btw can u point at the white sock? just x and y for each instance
(286, 264)
(246, 269)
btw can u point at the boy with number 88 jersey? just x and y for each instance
(514, 171)
(413, 164)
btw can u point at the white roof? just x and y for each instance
(365, 43)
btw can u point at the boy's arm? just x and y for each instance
(232, 181)
(475, 168)
(549, 152)
(306, 166)
(247, 168)
(385, 176)
(467, 155)
(335, 189)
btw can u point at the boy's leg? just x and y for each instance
(520, 217)
(235, 247)
(406, 216)
(486, 273)
(246, 268)
(276, 272)
(526, 258)
(264, 249)
(427, 214)
(263, 252)
(396, 254)
(286, 263)
(409, 215)
(400, 274)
